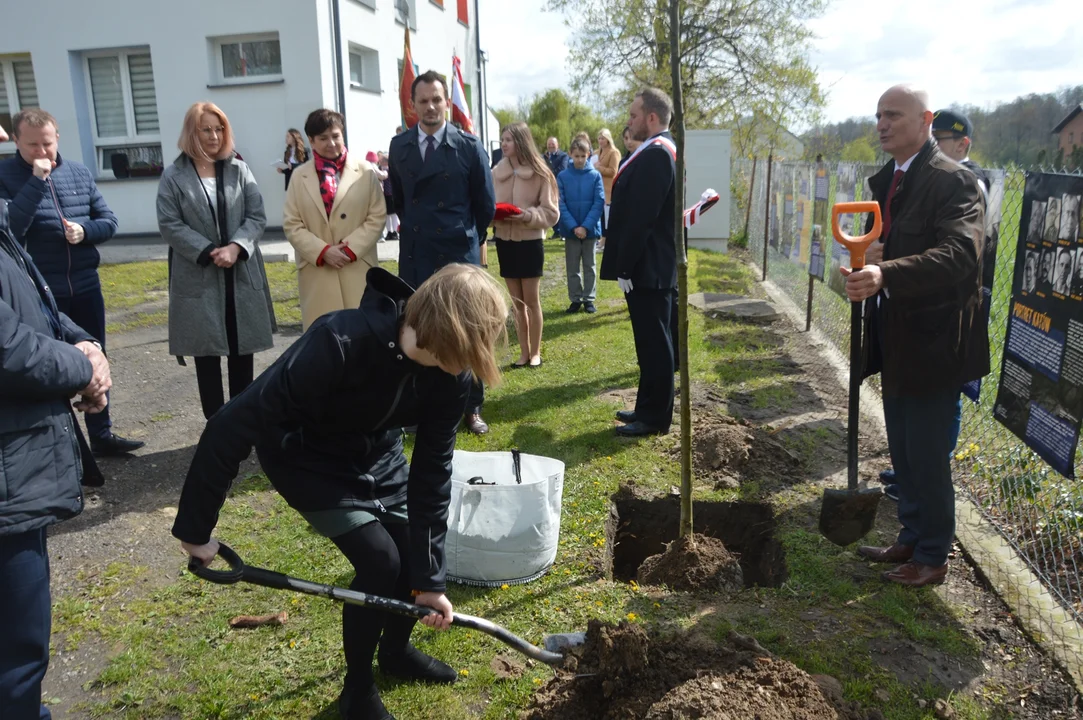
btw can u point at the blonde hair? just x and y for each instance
(460, 315)
(526, 152)
(189, 138)
(604, 132)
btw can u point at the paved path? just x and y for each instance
(151, 247)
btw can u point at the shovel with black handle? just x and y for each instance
(848, 515)
(239, 572)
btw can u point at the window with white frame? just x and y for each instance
(18, 90)
(364, 68)
(406, 10)
(248, 58)
(124, 110)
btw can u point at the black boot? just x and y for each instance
(362, 703)
(412, 664)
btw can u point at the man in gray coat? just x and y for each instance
(45, 359)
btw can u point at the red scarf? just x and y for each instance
(329, 172)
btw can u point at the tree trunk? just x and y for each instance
(677, 127)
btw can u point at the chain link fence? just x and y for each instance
(1035, 509)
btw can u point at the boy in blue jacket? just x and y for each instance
(582, 201)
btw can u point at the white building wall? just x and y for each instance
(372, 115)
(179, 36)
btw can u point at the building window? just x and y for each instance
(248, 58)
(464, 12)
(406, 10)
(17, 89)
(124, 110)
(364, 68)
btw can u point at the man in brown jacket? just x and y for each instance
(924, 332)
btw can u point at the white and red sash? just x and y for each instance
(706, 202)
(656, 140)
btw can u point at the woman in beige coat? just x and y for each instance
(608, 162)
(523, 179)
(334, 216)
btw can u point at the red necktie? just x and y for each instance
(895, 180)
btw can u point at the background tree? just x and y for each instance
(741, 60)
(554, 114)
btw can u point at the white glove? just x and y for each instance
(625, 285)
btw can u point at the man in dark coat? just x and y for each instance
(442, 189)
(45, 359)
(58, 215)
(952, 131)
(924, 330)
(641, 256)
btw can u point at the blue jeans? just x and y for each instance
(921, 434)
(24, 624)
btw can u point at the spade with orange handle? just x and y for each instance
(848, 515)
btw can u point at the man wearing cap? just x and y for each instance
(924, 332)
(951, 130)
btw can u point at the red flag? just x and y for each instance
(460, 109)
(409, 117)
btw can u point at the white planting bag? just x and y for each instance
(501, 530)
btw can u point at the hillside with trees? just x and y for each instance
(1017, 132)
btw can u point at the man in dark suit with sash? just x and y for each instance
(640, 254)
(442, 189)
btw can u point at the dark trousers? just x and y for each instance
(476, 398)
(24, 624)
(651, 312)
(379, 554)
(921, 432)
(88, 312)
(209, 379)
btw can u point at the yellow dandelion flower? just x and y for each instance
(293, 644)
(537, 681)
(658, 605)
(631, 616)
(504, 586)
(464, 671)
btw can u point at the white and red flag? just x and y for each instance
(460, 109)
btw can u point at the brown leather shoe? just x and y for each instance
(475, 424)
(915, 574)
(895, 554)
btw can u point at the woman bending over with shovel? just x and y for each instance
(325, 420)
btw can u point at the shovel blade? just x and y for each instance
(562, 642)
(846, 517)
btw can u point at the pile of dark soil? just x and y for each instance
(730, 452)
(622, 672)
(695, 562)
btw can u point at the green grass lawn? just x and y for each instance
(171, 653)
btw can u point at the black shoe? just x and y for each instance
(639, 429)
(114, 445)
(887, 477)
(475, 424)
(589, 306)
(626, 416)
(892, 491)
(366, 705)
(574, 308)
(412, 664)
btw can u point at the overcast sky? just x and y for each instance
(972, 53)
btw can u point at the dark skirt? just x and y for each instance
(520, 259)
(389, 204)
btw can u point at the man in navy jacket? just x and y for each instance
(442, 189)
(640, 254)
(57, 214)
(45, 359)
